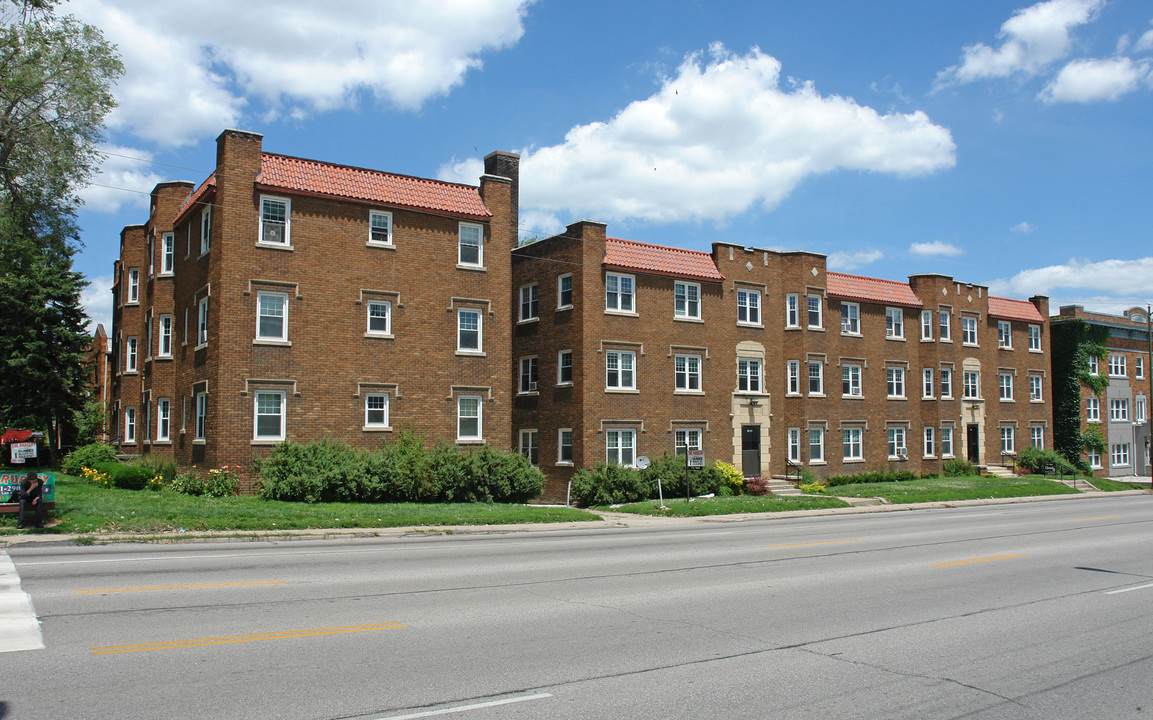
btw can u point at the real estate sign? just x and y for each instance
(22, 451)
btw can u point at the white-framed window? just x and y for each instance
(205, 229)
(163, 419)
(793, 377)
(470, 244)
(749, 375)
(129, 424)
(851, 447)
(469, 330)
(529, 302)
(130, 353)
(469, 417)
(151, 263)
(133, 285)
(1037, 436)
(201, 416)
(268, 419)
(685, 439)
(972, 385)
(945, 328)
(379, 317)
(564, 446)
(620, 370)
(1139, 367)
(564, 367)
(850, 319)
(202, 322)
(620, 446)
(851, 380)
(748, 307)
(968, 330)
(165, 349)
(271, 316)
(928, 440)
(894, 323)
(1035, 385)
(1118, 410)
(687, 300)
(947, 441)
(1120, 455)
(926, 324)
(274, 221)
(148, 335)
(619, 290)
(1004, 335)
(1093, 367)
(376, 410)
(1094, 459)
(1008, 442)
(687, 373)
(927, 382)
(792, 310)
(897, 447)
(167, 253)
(816, 377)
(529, 446)
(814, 313)
(816, 444)
(1117, 366)
(794, 444)
(946, 384)
(528, 374)
(895, 382)
(1005, 383)
(1092, 410)
(1139, 409)
(564, 291)
(379, 227)
(1035, 338)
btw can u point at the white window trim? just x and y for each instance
(133, 286)
(820, 391)
(927, 383)
(820, 324)
(479, 437)
(1036, 382)
(534, 442)
(205, 230)
(817, 458)
(529, 290)
(130, 425)
(202, 322)
(368, 331)
(847, 434)
(927, 325)
(620, 434)
(283, 336)
(460, 245)
(165, 336)
(855, 385)
(388, 242)
(560, 446)
(386, 424)
(1005, 387)
(620, 354)
(131, 354)
(897, 445)
(929, 442)
(688, 374)
(947, 431)
(1004, 339)
(167, 254)
(559, 366)
(559, 294)
(792, 310)
(1035, 334)
(894, 323)
(256, 415)
(1092, 410)
(760, 376)
(966, 321)
(851, 316)
(200, 429)
(632, 294)
(287, 244)
(162, 419)
(793, 378)
(479, 349)
(794, 444)
(748, 307)
(525, 383)
(895, 376)
(688, 287)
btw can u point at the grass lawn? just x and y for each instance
(954, 488)
(730, 505)
(1107, 485)
(82, 507)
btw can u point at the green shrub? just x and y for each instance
(87, 456)
(872, 476)
(321, 471)
(1034, 460)
(496, 476)
(163, 468)
(958, 467)
(731, 476)
(670, 469)
(222, 481)
(127, 477)
(814, 488)
(187, 483)
(610, 485)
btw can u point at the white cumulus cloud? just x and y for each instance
(718, 137)
(1031, 40)
(1081, 278)
(1022, 228)
(124, 179)
(1096, 80)
(189, 74)
(1145, 43)
(845, 261)
(935, 248)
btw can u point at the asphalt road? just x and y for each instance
(1037, 610)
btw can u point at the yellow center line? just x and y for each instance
(971, 561)
(808, 544)
(1099, 517)
(197, 586)
(226, 639)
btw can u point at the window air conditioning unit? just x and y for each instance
(274, 233)
(902, 453)
(531, 386)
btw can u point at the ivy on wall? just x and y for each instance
(1073, 343)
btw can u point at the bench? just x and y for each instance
(9, 508)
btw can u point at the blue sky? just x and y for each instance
(999, 142)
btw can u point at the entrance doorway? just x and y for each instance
(751, 450)
(973, 443)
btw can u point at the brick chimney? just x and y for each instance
(503, 164)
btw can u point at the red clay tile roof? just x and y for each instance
(207, 186)
(660, 260)
(867, 289)
(310, 176)
(1007, 309)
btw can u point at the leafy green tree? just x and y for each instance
(56, 75)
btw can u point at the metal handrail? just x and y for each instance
(1009, 455)
(791, 466)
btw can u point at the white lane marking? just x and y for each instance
(1137, 587)
(18, 624)
(465, 708)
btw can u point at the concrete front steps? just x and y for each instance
(1000, 471)
(778, 485)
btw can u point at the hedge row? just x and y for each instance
(613, 484)
(401, 471)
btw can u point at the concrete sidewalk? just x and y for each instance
(609, 520)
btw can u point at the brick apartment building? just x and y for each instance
(1121, 414)
(763, 358)
(286, 298)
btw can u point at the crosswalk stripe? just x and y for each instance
(19, 627)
